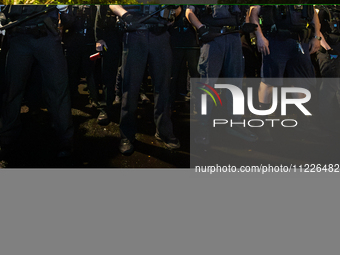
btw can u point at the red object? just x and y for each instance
(95, 56)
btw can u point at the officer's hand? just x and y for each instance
(100, 44)
(62, 8)
(314, 45)
(248, 27)
(131, 22)
(263, 45)
(205, 35)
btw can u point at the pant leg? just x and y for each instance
(73, 57)
(19, 61)
(233, 67)
(33, 93)
(160, 60)
(110, 63)
(89, 67)
(177, 60)
(135, 55)
(144, 84)
(209, 67)
(192, 57)
(55, 83)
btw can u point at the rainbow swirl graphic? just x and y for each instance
(213, 90)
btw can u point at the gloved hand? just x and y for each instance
(62, 8)
(205, 35)
(101, 45)
(131, 22)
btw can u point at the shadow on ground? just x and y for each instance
(97, 146)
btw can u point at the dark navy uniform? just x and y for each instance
(185, 52)
(109, 30)
(221, 56)
(328, 61)
(79, 43)
(287, 36)
(286, 29)
(35, 40)
(148, 44)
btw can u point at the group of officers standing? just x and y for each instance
(158, 39)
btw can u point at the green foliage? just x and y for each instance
(248, 2)
(259, 2)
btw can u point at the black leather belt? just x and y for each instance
(225, 29)
(27, 29)
(151, 26)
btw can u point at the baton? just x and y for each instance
(17, 22)
(151, 14)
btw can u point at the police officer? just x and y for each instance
(36, 40)
(109, 41)
(146, 42)
(285, 39)
(328, 61)
(79, 43)
(218, 28)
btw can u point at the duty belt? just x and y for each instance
(148, 26)
(225, 29)
(282, 34)
(28, 29)
(181, 28)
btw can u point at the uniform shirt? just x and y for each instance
(182, 32)
(79, 25)
(219, 15)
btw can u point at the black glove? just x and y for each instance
(205, 35)
(131, 22)
(248, 27)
